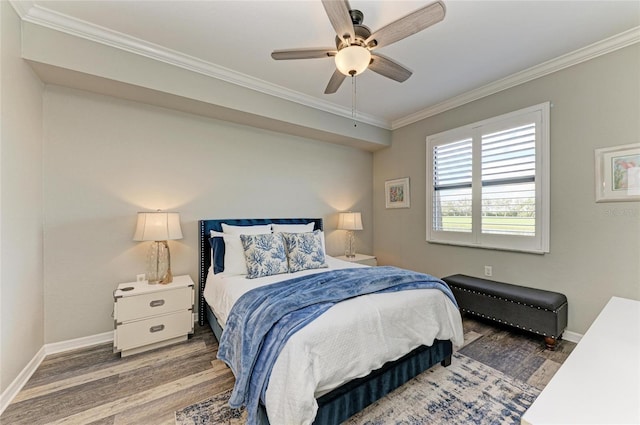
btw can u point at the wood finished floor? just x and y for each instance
(95, 386)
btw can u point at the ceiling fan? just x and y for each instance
(355, 42)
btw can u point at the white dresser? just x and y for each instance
(151, 316)
(599, 383)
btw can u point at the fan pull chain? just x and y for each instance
(353, 99)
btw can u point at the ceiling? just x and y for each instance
(479, 42)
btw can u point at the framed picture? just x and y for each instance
(397, 193)
(618, 173)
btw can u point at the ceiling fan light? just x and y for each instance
(353, 60)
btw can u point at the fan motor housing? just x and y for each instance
(362, 32)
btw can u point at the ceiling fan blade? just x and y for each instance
(338, 13)
(334, 83)
(408, 25)
(389, 68)
(303, 53)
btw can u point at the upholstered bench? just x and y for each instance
(535, 310)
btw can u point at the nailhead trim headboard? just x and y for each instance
(206, 226)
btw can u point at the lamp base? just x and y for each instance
(168, 278)
(350, 245)
(159, 263)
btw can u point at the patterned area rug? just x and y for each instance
(467, 392)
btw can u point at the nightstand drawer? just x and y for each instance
(148, 331)
(153, 304)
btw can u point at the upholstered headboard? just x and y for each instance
(205, 248)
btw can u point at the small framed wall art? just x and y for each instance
(618, 173)
(397, 193)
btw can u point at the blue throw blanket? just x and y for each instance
(263, 319)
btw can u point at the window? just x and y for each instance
(488, 183)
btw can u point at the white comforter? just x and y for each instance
(348, 341)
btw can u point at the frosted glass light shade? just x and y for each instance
(353, 60)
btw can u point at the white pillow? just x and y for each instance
(246, 230)
(234, 261)
(324, 249)
(293, 228)
(298, 228)
(233, 264)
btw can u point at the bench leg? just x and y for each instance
(550, 342)
(446, 362)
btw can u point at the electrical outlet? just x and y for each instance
(141, 277)
(488, 271)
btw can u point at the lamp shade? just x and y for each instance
(158, 226)
(352, 60)
(350, 221)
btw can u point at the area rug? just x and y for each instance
(467, 392)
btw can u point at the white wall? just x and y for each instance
(106, 159)
(21, 281)
(595, 248)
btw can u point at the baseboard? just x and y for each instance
(14, 388)
(572, 336)
(56, 347)
(74, 344)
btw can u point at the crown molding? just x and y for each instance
(38, 15)
(584, 54)
(21, 7)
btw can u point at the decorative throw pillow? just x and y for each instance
(234, 262)
(264, 255)
(305, 251)
(217, 246)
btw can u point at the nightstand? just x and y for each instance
(151, 316)
(368, 260)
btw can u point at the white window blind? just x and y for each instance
(488, 183)
(452, 186)
(508, 181)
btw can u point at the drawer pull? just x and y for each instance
(156, 328)
(156, 303)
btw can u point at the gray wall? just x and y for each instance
(21, 282)
(595, 247)
(105, 159)
(84, 164)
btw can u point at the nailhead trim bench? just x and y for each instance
(535, 310)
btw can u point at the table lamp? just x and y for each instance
(158, 227)
(350, 221)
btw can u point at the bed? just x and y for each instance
(334, 403)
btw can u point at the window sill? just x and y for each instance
(494, 248)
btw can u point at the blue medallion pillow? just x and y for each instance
(305, 251)
(264, 255)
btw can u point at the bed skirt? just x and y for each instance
(343, 402)
(338, 405)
